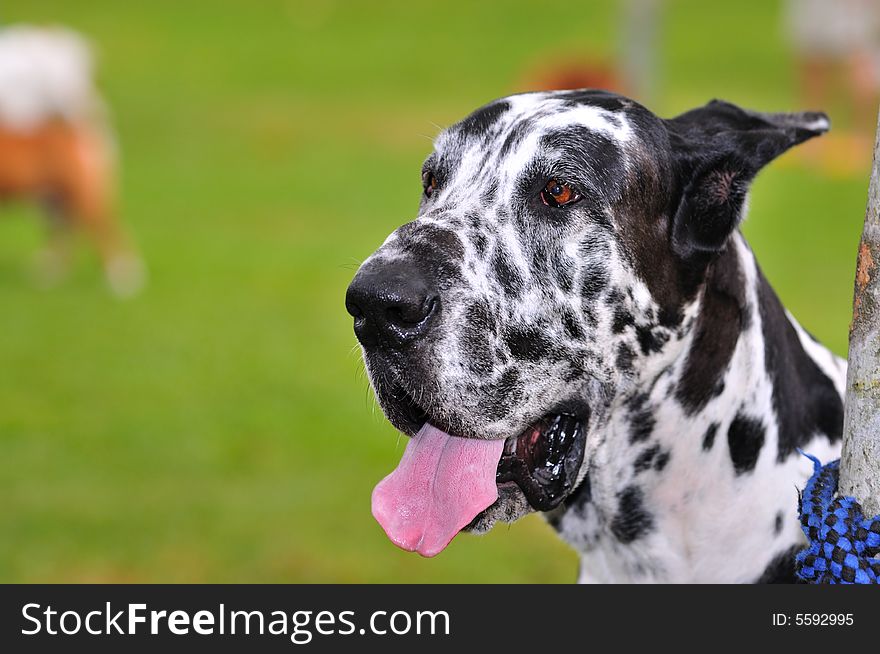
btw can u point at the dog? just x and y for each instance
(56, 149)
(575, 325)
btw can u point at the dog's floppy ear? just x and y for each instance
(718, 149)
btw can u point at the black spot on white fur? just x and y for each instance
(527, 343)
(572, 327)
(805, 401)
(745, 437)
(506, 275)
(781, 569)
(646, 459)
(593, 282)
(631, 521)
(661, 461)
(709, 436)
(641, 425)
(723, 316)
(480, 122)
(625, 357)
(651, 340)
(622, 319)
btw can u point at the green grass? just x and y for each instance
(219, 427)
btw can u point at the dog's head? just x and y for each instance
(561, 242)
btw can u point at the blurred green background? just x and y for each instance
(219, 427)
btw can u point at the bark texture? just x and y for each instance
(860, 461)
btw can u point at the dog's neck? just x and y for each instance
(714, 331)
(731, 396)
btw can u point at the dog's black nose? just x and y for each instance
(392, 304)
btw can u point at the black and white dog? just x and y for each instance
(574, 325)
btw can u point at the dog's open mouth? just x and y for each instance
(544, 460)
(444, 482)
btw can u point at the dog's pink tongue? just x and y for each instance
(440, 485)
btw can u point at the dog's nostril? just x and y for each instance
(397, 316)
(408, 314)
(412, 313)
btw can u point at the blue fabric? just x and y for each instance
(843, 542)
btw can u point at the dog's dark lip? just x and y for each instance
(401, 408)
(543, 460)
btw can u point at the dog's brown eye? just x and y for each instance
(558, 194)
(429, 182)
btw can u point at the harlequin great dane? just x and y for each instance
(574, 325)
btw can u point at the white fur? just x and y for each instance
(45, 73)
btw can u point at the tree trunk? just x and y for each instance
(860, 461)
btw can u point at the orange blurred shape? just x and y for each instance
(572, 73)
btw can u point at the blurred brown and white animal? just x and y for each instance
(56, 148)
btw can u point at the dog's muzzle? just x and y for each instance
(448, 481)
